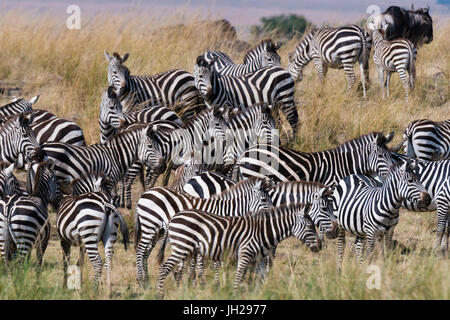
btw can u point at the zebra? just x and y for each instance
(433, 176)
(393, 56)
(111, 116)
(174, 88)
(157, 206)
(335, 48)
(366, 154)
(86, 219)
(25, 222)
(370, 211)
(113, 158)
(270, 85)
(426, 140)
(264, 54)
(16, 106)
(16, 137)
(247, 237)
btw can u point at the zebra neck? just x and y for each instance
(389, 192)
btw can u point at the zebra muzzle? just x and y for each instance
(425, 200)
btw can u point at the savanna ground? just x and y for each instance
(67, 68)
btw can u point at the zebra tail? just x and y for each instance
(137, 230)
(412, 63)
(162, 248)
(124, 230)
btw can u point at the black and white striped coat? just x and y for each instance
(269, 85)
(246, 238)
(113, 158)
(426, 140)
(16, 106)
(174, 88)
(335, 48)
(9, 185)
(371, 211)
(16, 138)
(24, 219)
(264, 54)
(157, 206)
(393, 56)
(366, 154)
(86, 219)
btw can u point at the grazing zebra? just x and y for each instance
(9, 185)
(363, 155)
(157, 206)
(269, 85)
(111, 116)
(247, 238)
(335, 48)
(25, 221)
(262, 55)
(393, 56)
(86, 219)
(113, 158)
(16, 137)
(16, 106)
(174, 88)
(426, 140)
(370, 211)
(433, 176)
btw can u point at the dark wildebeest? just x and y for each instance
(414, 25)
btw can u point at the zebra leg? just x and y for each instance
(340, 247)
(350, 73)
(359, 249)
(380, 72)
(201, 270)
(42, 246)
(363, 78)
(121, 187)
(444, 245)
(65, 245)
(244, 260)
(320, 69)
(97, 263)
(164, 271)
(143, 250)
(441, 226)
(402, 74)
(371, 237)
(192, 266)
(109, 240)
(178, 273)
(217, 265)
(388, 79)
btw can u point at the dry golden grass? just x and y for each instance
(68, 69)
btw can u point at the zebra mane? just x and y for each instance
(273, 212)
(18, 101)
(313, 184)
(266, 44)
(241, 185)
(351, 143)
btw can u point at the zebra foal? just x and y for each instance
(247, 237)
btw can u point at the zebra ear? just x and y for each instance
(200, 61)
(111, 93)
(33, 100)
(389, 137)
(125, 57)
(98, 183)
(10, 169)
(108, 58)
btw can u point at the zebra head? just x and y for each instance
(25, 139)
(258, 198)
(303, 228)
(149, 150)
(111, 116)
(264, 54)
(408, 184)
(321, 212)
(117, 73)
(43, 183)
(300, 57)
(380, 159)
(204, 77)
(8, 182)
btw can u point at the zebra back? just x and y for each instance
(16, 106)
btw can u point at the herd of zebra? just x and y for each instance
(237, 191)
